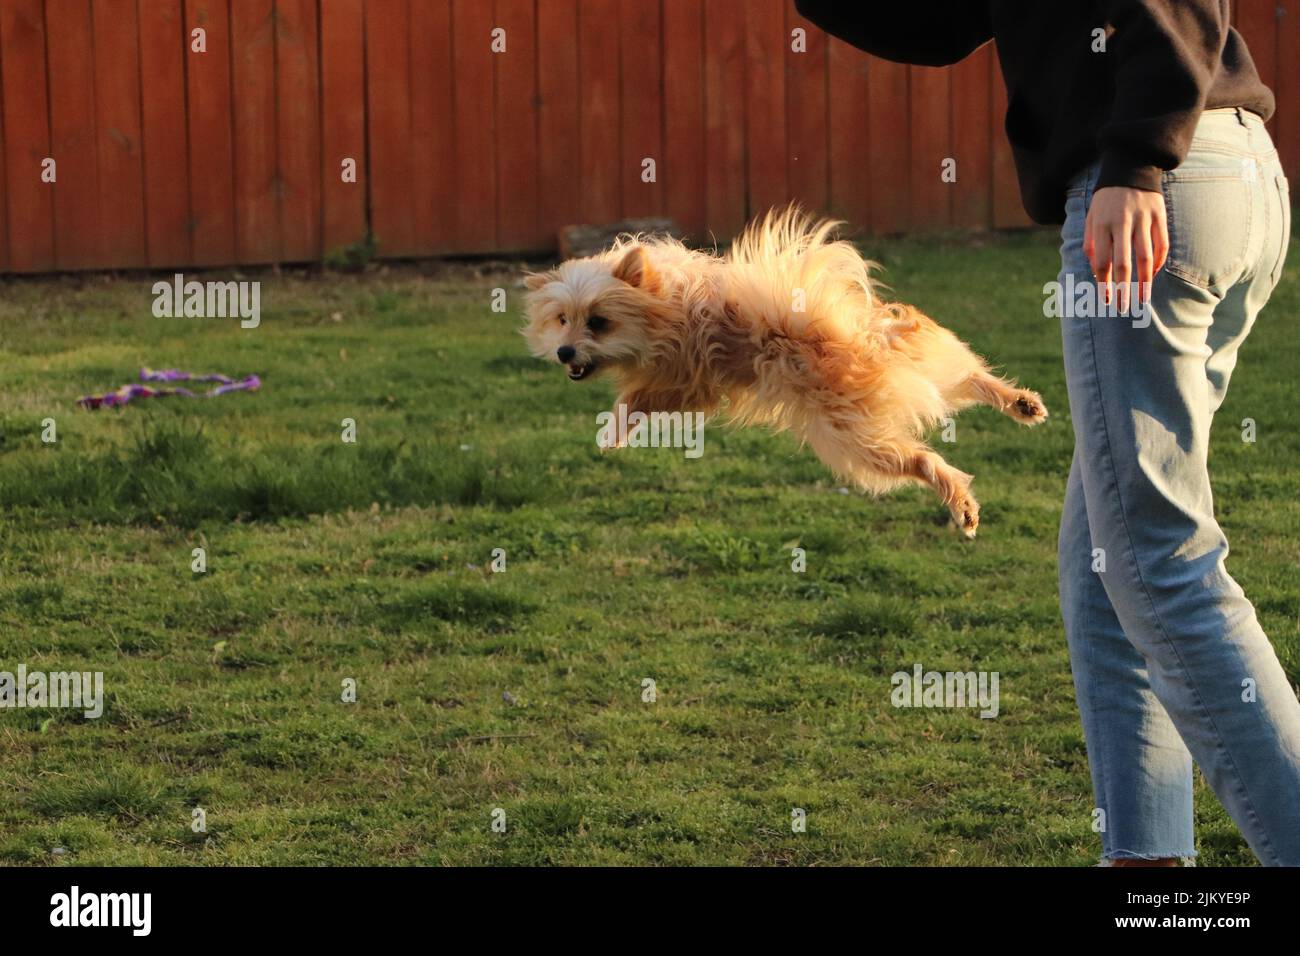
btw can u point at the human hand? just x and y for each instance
(1126, 227)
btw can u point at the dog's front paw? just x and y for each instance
(1028, 408)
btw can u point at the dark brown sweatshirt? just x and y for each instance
(1132, 101)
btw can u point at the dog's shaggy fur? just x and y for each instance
(786, 330)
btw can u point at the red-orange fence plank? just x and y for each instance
(724, 116)
(433, 128)
(298, 135)
(598, 105)
(388, 102)
(212, 157)
(78, 237)
(517, 191)
(29, 201)
(929, 100)
(972, 196)
(343, 124)
(807, 136)
(682, 171)
(4, 210)
(163, 46)
(257, 207)
(889, 135)
(558, 130)
(766, 48)
(476, 203)
(1287, 90)
(853, 151)
(1258, 22)
(642, 107)
(120, 156)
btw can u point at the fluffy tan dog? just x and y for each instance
(786, 330)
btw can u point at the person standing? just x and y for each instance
(1138, 126)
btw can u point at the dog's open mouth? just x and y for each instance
(580, 370)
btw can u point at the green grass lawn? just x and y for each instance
(523, 690)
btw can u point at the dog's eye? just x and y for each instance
(597, 322)
(563, 320)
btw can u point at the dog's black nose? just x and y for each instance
(565, 353)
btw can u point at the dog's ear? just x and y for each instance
(634, 269)
(535, 280)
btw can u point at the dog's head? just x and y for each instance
(592, 315)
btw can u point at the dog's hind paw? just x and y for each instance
(966, 513)
(1028, 408)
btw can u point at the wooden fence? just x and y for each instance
(164, 156)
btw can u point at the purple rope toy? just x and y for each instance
(127, 392)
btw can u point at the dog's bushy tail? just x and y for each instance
(790, 265)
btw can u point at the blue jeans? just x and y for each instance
(1170, 663)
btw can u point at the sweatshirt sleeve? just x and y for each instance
(1167, 52)
(924, 32)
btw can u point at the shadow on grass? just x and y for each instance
(179, 474)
